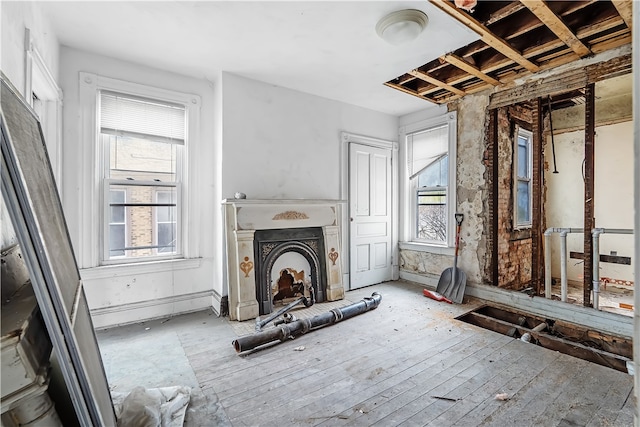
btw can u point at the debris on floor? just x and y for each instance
(154, 407)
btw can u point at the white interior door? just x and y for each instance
(370, 215)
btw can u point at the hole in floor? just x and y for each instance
(568, 338)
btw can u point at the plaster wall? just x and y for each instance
(15, 17)
(284, 144)
(614, 200)
(429, 261)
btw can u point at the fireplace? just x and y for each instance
(293, 278)
(277, 249)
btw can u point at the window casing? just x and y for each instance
(522, 188)
(430, 182)
(142, 142)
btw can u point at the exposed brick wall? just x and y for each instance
(514, 247)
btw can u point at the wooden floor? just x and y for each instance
(408, 362)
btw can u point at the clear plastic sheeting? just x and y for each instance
(154, 407)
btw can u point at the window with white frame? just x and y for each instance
(431, 180)
(522, 160)
(142, 142)
(117, 223)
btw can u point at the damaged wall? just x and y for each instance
(514, 246)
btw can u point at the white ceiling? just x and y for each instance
(325, 48)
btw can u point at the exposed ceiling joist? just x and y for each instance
(456, 61)
(517, 37)
(487, 36)
(555, 24)
(624, 8)
(427, 78)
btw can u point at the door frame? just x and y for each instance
(346, 139)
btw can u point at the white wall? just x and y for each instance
(131, 293)
(280, 143)
(614, 200)
(14, 18)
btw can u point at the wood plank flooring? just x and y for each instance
(406, 363)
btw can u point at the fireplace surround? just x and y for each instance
(308, 227)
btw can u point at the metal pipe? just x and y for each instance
(595, 233)
(302, 326)
(563, 266)
(563, 259)
(547, 265)
(308, 302)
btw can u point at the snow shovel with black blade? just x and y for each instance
(453, 280)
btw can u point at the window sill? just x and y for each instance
(107, 271)
(425, 247)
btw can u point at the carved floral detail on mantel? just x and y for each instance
(288, 215)
(246, 266)
(333, 255)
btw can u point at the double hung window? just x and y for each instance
(142, 142)
(522, 162)
(431, 181)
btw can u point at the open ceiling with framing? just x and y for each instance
(517, 38)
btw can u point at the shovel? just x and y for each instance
(453, 280)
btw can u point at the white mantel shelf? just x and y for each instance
(244, 216)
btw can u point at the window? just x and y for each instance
(142, 150)
(117, 223)
(522, 179)
(166, 230)
(431, 180)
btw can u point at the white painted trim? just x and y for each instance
(39, 79)
(109, 271)
(92, 216)
(603, 321)
(347, 138)
(424, 247)
(124, 314)
(406, 189)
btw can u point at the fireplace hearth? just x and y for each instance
(277, 249)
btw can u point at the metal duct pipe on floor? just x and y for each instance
(595, 233)
(302, 326)
(563, 260)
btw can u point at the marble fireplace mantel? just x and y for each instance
(244, 216)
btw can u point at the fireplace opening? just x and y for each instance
(288, 263)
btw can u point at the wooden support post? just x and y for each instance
(589, 178)
(537, 219)
(492, 166)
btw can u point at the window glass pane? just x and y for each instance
(427, 147)
(151, 229)
(432, 215)
(524, 211)
(523, 159)
(167, 237)
(117, 212)
(435, 175)
(116, 240)
(141, 159)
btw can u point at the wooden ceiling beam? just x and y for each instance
(487, 36)
(556, 25)
(624, 9)
(456, 61)
(427, 78)
(408, 91)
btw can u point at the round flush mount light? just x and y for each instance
(402, 26)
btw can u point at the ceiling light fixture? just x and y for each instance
(402, 26)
